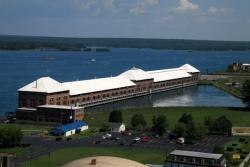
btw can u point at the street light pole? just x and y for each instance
(49, 160)
(30, 155)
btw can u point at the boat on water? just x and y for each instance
(93, 60)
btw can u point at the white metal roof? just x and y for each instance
(189, 68)
(165, 75)
(49, 85)
(95, 85)
(196, 154)
(44, 85)
(136, 74)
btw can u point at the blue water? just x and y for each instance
(18, 68)
(190, 96)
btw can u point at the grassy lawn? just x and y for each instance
(19, 151)
(238, 118)
(64, 156)
(229, 89)
(239, 145)
(28, 128)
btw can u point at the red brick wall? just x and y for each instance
(61, 98)
(31, 99)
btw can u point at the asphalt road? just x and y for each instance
(46, 146)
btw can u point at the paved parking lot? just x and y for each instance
(205, 145)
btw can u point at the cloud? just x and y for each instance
(166, 19)
(85, 4)
(152, 2)
(140, 8)
(214, 10)
(109, 3)
(186, 5)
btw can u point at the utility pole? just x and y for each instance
(30, 155)
(49, 160)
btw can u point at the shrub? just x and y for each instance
(245, 152)
(242, 156)
(246, 142)
(234, 144)
(242, 139)
(239, 150)
(10, 136)
(230, 149)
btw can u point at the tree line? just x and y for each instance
(185, 126)
(27, 42)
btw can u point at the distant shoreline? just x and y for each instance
(8, 42)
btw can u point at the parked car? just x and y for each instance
(114, 138)
(172, 136)
(128, 133)
(122, 143)
(136, 139)
(145, 139)
(155, 135)
(180, 140)
(97, 142)
(107, 136)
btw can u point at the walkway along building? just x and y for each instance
(47, 100)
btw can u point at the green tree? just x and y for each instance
(223, 125)
(202, 130)
(154, 120)
(187, 128)
(209, 122)
(219, 125)
(186, 118)
(246, 93)
(160, 124)
(192, 132)
(116, 116)
(180, 129)
(138, 121)
(10, 136)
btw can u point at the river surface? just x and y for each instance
(190, 96)
(18, 68)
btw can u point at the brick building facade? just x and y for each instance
(132, 83)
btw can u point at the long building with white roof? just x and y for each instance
(34, 97)
(183, 158)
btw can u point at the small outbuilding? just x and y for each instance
(117, 127)
(69, 129)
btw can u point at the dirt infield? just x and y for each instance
(104, 161)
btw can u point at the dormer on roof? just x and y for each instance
(136, 74)
(43, 85)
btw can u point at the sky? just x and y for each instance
(165, 19)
